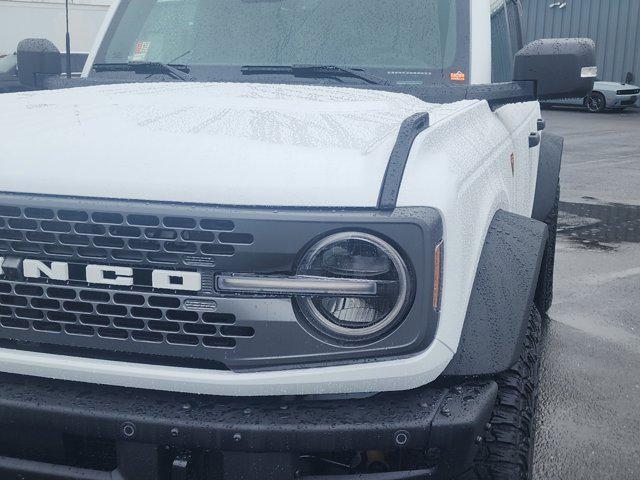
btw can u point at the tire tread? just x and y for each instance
(507, 450)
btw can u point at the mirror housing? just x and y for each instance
(37, 57)
(629, 78)
(560, 67)
(7, 65)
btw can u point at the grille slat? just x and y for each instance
(106, 315)
(153, 318)
(103, 235)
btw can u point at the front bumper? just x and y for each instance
(63, 430)
(622, 101)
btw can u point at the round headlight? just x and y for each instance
(357, 256)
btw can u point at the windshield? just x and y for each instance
(427, 39)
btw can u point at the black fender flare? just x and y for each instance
(502, 296)
(549, 165)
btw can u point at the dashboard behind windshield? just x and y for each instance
(425, 41)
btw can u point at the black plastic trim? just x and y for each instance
(534, 139)
(502, 296)
(555, 65)
(549, 165)
(37, 57)
(406, 475)
(447, 417)
(495, 94)
(28, 469)
(409, 130)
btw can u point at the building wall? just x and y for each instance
(20, 19)
(613, 24)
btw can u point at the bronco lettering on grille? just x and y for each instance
(101, 274)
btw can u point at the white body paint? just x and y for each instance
(276, 145)
(208, 142)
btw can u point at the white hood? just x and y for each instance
(213, 143)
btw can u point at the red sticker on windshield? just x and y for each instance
(458, 76)
(141, 50)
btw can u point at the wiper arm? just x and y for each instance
(313, 71)
(152, 68)
(334, 70)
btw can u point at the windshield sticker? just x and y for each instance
(458, 76)
(140, 52)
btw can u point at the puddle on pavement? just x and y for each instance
(599, 227)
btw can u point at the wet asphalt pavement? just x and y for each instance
(589, 411)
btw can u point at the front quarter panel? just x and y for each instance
(462, 167)
(521, 120)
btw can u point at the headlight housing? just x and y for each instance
(356, 256)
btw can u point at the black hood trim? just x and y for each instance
(411, 127)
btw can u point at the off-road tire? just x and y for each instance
(506, 452)
(544, 290)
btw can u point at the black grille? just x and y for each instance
(115, 316)
(116, 237)
(629, 92)
(136, 319)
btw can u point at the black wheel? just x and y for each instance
(544, 292)
(507, 450)
(595, 102)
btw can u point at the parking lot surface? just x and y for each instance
(588, 416)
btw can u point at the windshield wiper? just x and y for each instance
(173, 70)
(313, 71)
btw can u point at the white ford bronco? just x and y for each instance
(280, 239)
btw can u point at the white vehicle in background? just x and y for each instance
(605, 96)
(281, 239)
(20, 19)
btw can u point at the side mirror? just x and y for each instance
(37, 57)
(629, 79)
(560, 67)
(7, 65)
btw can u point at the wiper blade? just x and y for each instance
(313, 71)
(179, 72)
(334, 70)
